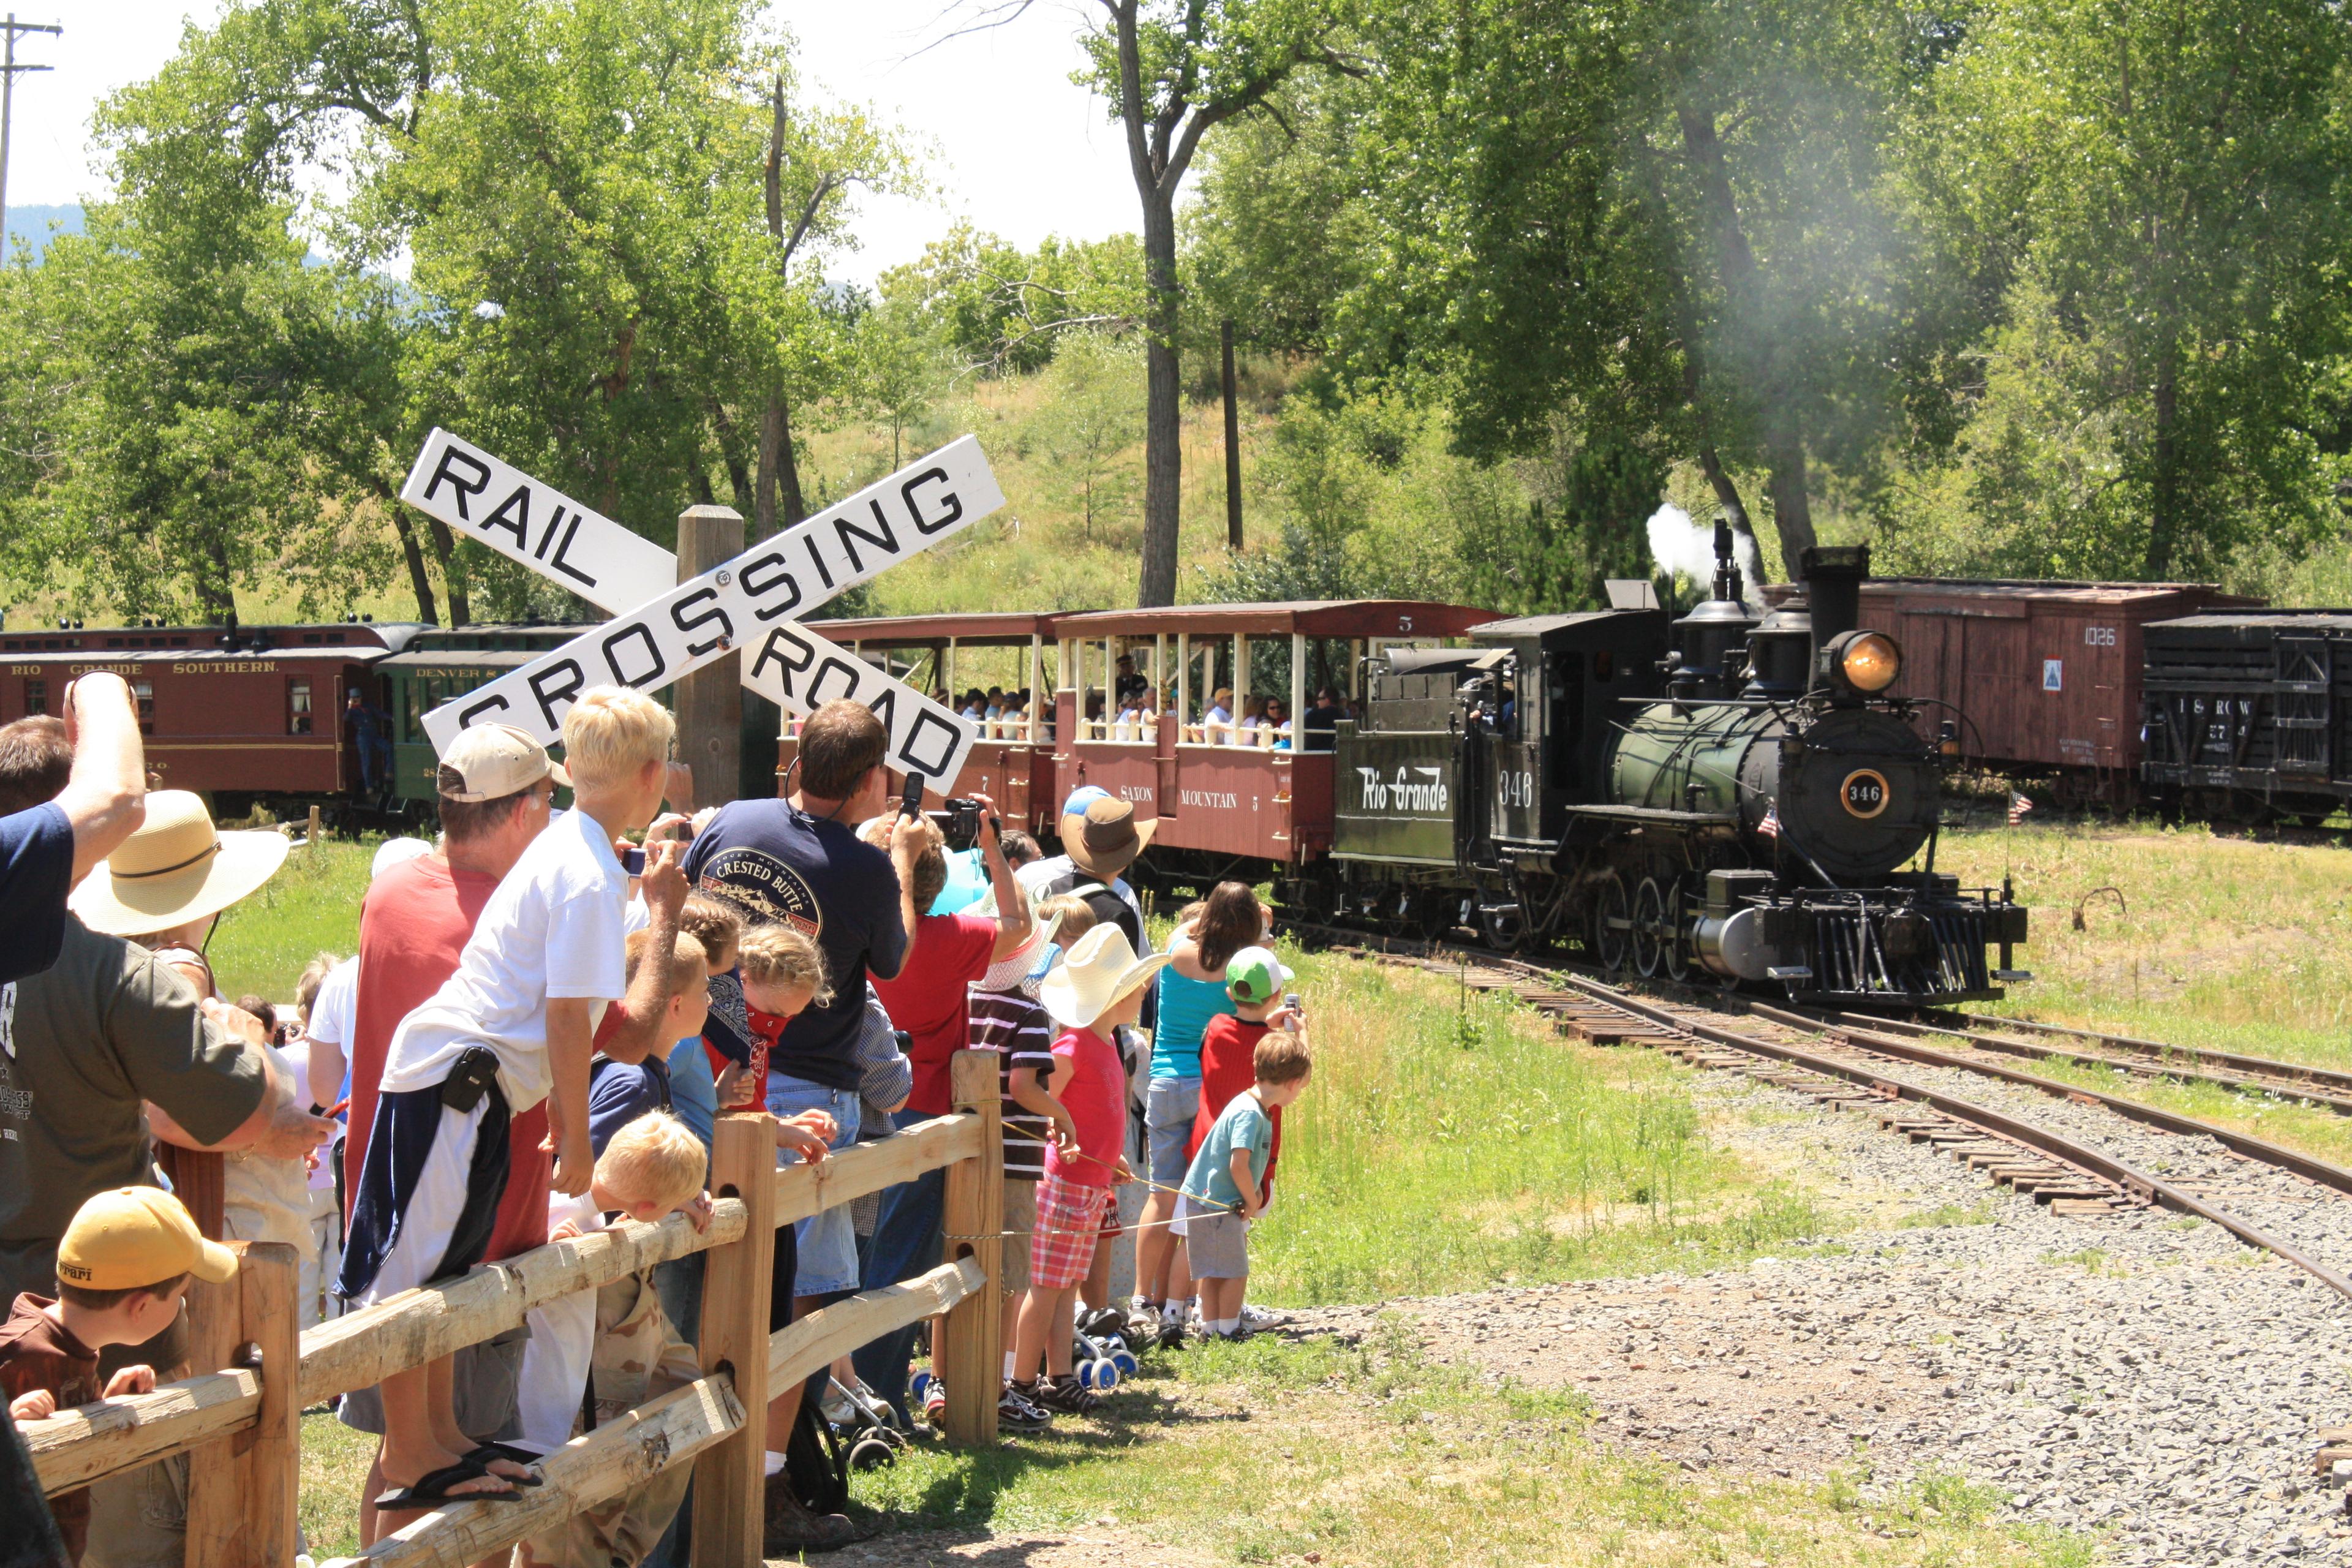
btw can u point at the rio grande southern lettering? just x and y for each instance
(1404, 792)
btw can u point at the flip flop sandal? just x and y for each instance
(432, 1490)
(484, 1453)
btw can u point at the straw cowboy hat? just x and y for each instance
(176, 869)
(1104, 839)
(1014, 966)
(1097, 971)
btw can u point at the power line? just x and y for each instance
(8, 70)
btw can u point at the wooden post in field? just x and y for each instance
(268, 1280)
(975, 1214)
(711, 700)
(313, 841)
(728, 1496)
(1233, 444)
(241, 1491)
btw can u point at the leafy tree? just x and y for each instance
(1557, 556)
(2159, 191)
(1172, 69)
(1002, 309)
(1093, 411)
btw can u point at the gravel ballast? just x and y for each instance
(2143, 1377)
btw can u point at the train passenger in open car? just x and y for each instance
(1217, 723)
(1277, 722)
(1322, 722)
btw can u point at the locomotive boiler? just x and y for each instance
(1710, 797)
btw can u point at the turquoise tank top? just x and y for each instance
(1186, 1006)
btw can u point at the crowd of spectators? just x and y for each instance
(541, 1025)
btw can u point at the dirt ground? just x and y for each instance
(1083, 1548)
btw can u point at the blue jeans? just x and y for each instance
(828, 1242)
(906, 1243)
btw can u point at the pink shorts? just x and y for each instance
(1069, 1220)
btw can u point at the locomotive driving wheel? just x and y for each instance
(1612, 921)
(1651, 936)
(1676, 959)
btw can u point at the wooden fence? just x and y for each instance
(241, 1425)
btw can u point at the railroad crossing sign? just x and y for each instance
(753, 603)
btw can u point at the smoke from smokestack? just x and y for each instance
(1680, 547)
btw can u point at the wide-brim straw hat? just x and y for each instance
(176, 869)
(1097, 971)
(1014, 966)
(1105, 839)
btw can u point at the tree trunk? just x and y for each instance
(1784, 434)
(420, 581)
(214, 596)
(2164, 508)
(1163, 458)
(1784, 487)
(779, 483)
(1749, 553)
(445, 549)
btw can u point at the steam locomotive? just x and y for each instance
(1710, 797)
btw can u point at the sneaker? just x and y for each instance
(1102, 1323)
(1258, 1319)
(1170, 1332)
(836, 1406)
(790, 1529)
(1017, 1412)
(935, 1405)
(1065, 1394)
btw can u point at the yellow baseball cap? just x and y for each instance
(134, 1237)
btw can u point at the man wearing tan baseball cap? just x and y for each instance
(490, 761)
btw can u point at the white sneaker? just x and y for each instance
(1254, 1319)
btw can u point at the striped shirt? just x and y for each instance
(1018, 1031)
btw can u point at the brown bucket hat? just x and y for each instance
(1107, 838)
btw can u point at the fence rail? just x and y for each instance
(241, 1425)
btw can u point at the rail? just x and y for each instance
(241, 1422)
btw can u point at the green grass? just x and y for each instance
(1447, 1142)
(312, 905)
(2229, 943)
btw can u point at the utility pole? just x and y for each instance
(8, 70)
(1233, 444)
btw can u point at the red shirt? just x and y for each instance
(1228, 1068)
(412, 927)
(1096, 1097)
(929, 999)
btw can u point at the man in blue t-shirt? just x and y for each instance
(800, 860)
(43, 851)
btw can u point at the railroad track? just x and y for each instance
(1864, 1063)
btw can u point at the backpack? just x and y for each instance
(815, 1462)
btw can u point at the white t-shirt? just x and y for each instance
(554, 928)
(555, 1362)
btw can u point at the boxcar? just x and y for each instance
(2042, 679)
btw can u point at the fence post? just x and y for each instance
(975, 1215)
(728, 1496)
(216, 1317)
(271, 1322)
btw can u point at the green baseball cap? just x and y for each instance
(1255, 976)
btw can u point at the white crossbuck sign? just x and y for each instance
(752, 603)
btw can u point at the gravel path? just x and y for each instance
(2141, 1376)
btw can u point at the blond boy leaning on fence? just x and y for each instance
(511, 1028)
(651, 1168)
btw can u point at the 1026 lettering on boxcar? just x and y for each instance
(1714, 797)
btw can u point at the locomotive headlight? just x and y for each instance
(1870, 661)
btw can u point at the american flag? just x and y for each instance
(1771, 827)
(2018, 806)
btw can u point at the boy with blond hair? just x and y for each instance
(619, 1348)
(512, 1028)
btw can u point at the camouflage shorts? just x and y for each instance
(638, 1357)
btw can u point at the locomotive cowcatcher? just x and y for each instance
(1710, 797)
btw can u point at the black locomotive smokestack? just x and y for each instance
(1833, 577)
(1726, 569)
